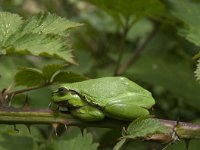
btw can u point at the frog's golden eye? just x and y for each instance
(62, 91)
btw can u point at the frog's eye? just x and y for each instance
(62, 91)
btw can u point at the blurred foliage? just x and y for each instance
(112, 33)
(78, 140)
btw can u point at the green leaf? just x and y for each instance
(141, 128)
(144, 127)
(39, 45)
(46, 23)
(9, 24)
(48, 74)
(83, 142)
(49, 70)
(68, 77)
(197, 72)
(188, 12)
(41, 35)
(29, 77)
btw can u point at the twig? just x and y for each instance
(26, 89)
(45, 116)
(138, 51)
(6, 96)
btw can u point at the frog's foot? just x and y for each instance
(87, 113)
(124, 110)
(53, 106)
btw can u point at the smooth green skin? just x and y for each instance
(114, 97)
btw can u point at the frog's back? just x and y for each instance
(107, 87)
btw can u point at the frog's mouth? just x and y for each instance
(62, 103)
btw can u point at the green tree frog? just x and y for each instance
(114, 97)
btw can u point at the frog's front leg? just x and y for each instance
(87, 113)
(124, 110)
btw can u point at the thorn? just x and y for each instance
(10, 87)
(82, 129)
(29, 127)
(4, 90)
(55, 126)
(26, 103)
(66, 127)
(187, 142)
(174, 136)
(15, 128)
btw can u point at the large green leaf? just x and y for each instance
(46, 23)
(188, 12)
(42, 35)
(39, 45)
(9, 24)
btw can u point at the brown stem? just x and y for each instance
(138, 51)
(27, 89)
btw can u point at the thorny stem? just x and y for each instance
(138, 51)
(45, 116)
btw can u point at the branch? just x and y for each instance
(138, 51)
(46, 116)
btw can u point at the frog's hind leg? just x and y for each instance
(87, 113)
(124, 111)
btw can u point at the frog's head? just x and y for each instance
(64, 95)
